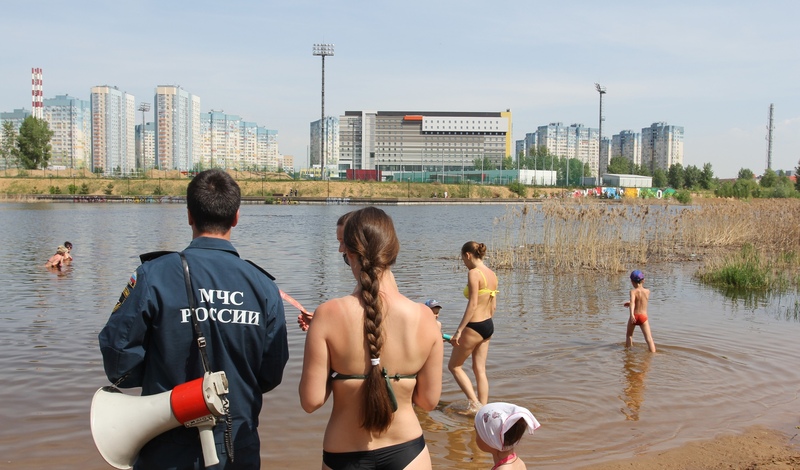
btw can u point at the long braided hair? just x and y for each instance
(369, 234)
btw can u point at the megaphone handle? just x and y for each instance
(209, 447)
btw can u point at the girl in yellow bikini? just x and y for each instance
(476, 327)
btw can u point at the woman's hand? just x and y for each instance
(304, 320)
(455, 337)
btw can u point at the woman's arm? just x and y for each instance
(429, 379)
(473, 281)
(314, 381)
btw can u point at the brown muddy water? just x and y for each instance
(723, 364)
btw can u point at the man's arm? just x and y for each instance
(123, 341)
(276, 345)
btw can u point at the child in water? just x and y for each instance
(500, 427)
(435, 307)
(638, 310)
(57, 259)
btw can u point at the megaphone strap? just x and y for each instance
(201, 345)
(198, 334)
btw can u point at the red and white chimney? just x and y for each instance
(37, 98)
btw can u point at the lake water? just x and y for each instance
(722, 364)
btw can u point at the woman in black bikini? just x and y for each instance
(378, 352)
(476, 327)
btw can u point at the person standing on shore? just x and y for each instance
(637, 306)
(149, 339)
(476, 328)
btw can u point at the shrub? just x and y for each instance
(84, 189)
(518, 188)
(72, 189)
(683, 196)
(109, 189)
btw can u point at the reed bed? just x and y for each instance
(612, 236)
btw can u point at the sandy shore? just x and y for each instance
(757, 448)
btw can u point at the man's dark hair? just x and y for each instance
(213, 198)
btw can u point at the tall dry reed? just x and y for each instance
(612, 236)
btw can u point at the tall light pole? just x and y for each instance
(322, 50)
(602, 91)
(143, 107)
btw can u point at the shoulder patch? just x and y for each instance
(126, 292)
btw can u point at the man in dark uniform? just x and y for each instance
(149, 342)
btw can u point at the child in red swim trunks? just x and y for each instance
(638, 309)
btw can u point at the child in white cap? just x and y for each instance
(500, 427)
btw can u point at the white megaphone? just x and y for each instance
(123, 424)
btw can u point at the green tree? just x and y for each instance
(707, 177)
(659, 178)
(675, 175)
(691, 177)
(484, 164)
(619, 166)
(8, 149)
(769, 178)
(744, 188)
(745, 174)
(33, 143)
(641, 170)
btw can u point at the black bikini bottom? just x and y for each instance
(396, 457)
(484, 328)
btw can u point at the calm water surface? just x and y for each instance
(558, 349)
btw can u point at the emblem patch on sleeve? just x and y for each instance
(126, 292)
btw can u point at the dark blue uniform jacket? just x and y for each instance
(149, 340)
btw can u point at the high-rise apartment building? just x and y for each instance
(178, 133)
(662, 146)
(268, 154)
(423, 141)
(524, 146)
(330, 142)
(627, 144)
(113, 131)
(232, 143)
(146, 146)
(605, 156)
(221, 140)
(573, 141)
(70, 119)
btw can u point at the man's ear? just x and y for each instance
(235, 219)
(190, 219)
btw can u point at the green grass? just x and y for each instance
(749, 270)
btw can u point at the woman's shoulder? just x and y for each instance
(337, 306)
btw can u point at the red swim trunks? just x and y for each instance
(639, 318)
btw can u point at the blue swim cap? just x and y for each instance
(637, 276)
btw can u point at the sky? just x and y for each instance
(712, 67)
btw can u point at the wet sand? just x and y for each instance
(757, 448)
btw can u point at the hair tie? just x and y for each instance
(375, 361)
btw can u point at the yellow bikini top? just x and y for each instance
(485, 290)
